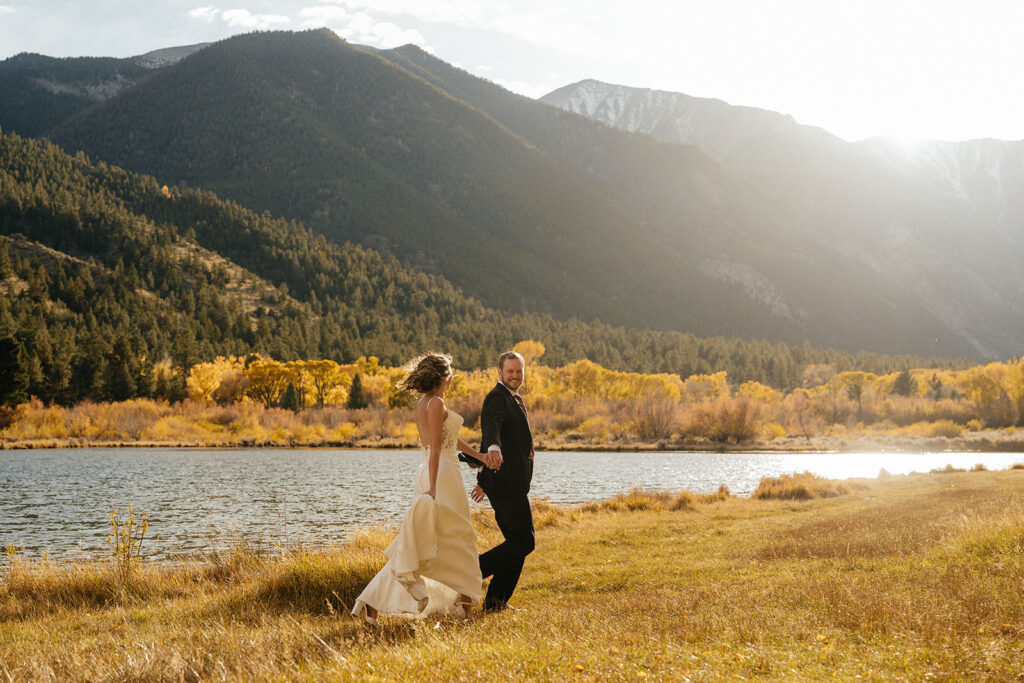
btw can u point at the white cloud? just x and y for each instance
(460, 12)
(315, 17)
(362, 27)
(7, 9)
(246, 19)
(206, 14)
(555, 25)
(239, 17)
(389, 35)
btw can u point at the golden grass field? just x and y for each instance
(913, 577)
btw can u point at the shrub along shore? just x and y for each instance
(902, 577)
(255, 402)
(158, 424)
(989, 441)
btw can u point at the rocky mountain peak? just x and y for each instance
(167, 56)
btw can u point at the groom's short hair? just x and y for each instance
(507, 355)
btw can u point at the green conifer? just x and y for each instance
(904, 384)
(290, 400)
(6, 269)
(119, 378)
(357, 397)
(14, 376)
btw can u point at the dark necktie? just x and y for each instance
(522, 405)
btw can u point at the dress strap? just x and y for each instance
(442, 404)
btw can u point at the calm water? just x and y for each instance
(58, 501)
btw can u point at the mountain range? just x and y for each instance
(943, 220)
(112, 287)
(637, 208)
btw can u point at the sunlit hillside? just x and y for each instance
(115, 286)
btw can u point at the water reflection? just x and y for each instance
(58, 501)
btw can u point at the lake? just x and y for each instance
(58, 501)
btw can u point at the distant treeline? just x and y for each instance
(259, 401)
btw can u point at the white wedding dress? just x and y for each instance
(434, 557)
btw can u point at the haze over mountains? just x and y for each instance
(699, 217)
(943, 219)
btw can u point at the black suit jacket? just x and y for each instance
(504, 423)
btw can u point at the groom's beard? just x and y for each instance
(513, 385)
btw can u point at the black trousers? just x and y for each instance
(505, 561)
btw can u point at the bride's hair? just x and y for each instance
(426, 373)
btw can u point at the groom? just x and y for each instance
(506, 437)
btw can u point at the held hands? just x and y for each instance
(493, 459)
(490, 459)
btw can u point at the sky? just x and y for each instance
(905, 69)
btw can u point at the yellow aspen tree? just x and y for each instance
(530, 350)
(1014, 387)
(585, 378)
(368, 365)
(204, 379)
(756, 391)
(298, 375)
(853, 385)
(267, 380)
(706, 387)
(324, 376)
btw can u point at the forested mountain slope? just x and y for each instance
(525, 207)
(308, 127)
(114, 285)
(40, 92)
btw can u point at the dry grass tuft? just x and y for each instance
(640, 500)
(803, 486)
(948, 469)
(684, 500)
(687, 500)
(33, 587)
(546, 513)
(636, 500)
(718, 496)
(316, 581)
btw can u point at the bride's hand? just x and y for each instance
(487, 459)
(432, 493)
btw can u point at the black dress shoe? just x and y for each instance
(500, 607)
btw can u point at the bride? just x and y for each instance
(432, 564)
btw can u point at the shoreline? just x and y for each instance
(983, 442)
